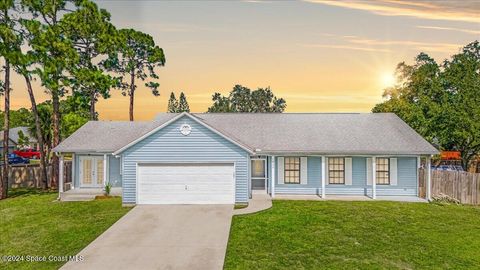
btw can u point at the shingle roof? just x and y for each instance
(107, 136)
(314, 133)
(322, 133)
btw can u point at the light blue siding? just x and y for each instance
(114, 171)
(407, 179)
(406, 184)
(169, 145)
(359, 171)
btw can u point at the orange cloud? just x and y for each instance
(351, 42)
(434, 10)
(468, 31)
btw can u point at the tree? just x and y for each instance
(18, 118)
(183, 103)
(172, 104)
(460, 121)
(8, 41)
(137, 58)
(75, 113)
(23, 140)
(44, 114)
(242, 99)
(54, 56)
(23, 66)
(76, 103)
(93, 36)
(441, 102)
(71, 122)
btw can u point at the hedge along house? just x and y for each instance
(223, 158)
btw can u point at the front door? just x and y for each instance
(91, 171)
(259, 174)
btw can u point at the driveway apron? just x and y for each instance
(162, 237)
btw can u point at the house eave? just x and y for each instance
(345, 153)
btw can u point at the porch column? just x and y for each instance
(272, 178)
(374, 178)
(72, 184)
(105, 179)
(324, 170)
(60, 174)
(428, 167)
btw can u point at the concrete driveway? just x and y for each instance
(162, 237)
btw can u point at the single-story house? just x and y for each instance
(14, 138)
(222, 158)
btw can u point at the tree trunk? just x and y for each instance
(132, 93)
(39, 135)
(56, 136)
(6, 127)
(93, 115)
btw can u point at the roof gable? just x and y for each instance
(174, 119)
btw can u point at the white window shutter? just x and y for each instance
(303, 170)
(369, 171)
(348, 171)
(393, 172)
(326, 171)
(281, 170)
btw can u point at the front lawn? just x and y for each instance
(33, 223)
(356, 235)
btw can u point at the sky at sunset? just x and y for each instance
(320, 56)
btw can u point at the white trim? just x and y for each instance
(105, 174)
(428, 167)
(303, 170)
(121, 166)
(72, 185)
(281, 170)
(272, 177)
(348, 171)
(393, 172)
(327, 170)
(374, 178)
(264, 159)
(369, 170)
(60, 174)
(324, 173)
(419, 159)
(173, 120)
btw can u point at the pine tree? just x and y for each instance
(172, 104)
(183, 104)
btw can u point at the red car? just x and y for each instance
(28, 153)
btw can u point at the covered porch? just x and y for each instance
(359, 177)
(90, 173)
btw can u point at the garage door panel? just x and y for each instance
(186, 184)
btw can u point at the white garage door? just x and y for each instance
(186, 184)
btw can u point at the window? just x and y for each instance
(292, 170)
(336, 170)
(383, 171)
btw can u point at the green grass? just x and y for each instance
(34, 223)
(356, 235)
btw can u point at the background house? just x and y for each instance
(15, 138)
